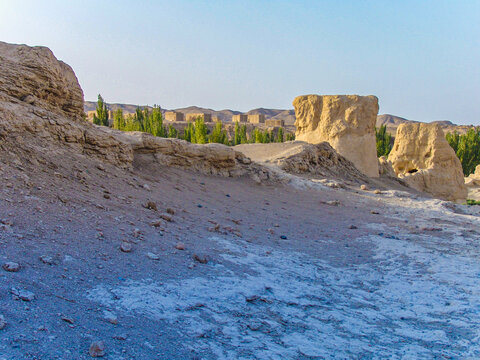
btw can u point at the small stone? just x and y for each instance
(363, 187)
(136, 232)
(22, 295)
(200, 259)
(352, 227)
(126, 247)
(97, 349)
(283, 237)
(106, 196)
(254, 326)
(156, 223)
(67, 319)
(166, 217)
(11, 266)
(153, 256)
(377, 191)
(146, 187)
(151, 205)
(374, 212)
(333, 202)
(121, 337)
(3, 323)
(180, 246)
(46, 259)
(110, 317)
(170, 211)
(101, 167)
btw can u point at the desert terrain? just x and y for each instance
(128, 246)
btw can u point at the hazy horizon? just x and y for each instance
(419, 58)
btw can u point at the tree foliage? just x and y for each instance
(172, 132)
(142, 120)
(151, 121)
(467, 148)
(218, 135)
(101, 116)
(280, 137)
(200, 132)
(384, 139)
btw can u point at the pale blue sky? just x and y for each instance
(421, 58)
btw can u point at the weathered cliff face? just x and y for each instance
(423, 158)
(34, 76)
(347, 122)
(41, 118)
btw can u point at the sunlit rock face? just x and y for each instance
(347, 122)
(423, 158)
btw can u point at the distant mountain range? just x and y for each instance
(391, 121)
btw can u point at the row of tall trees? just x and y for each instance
(142, 120)
(467, 148)
(196, 132)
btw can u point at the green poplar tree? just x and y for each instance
(218, 135)
(280, 138)
(200, 132)
(172, 132)
(101, 116)
(119, 120)
(236, 134)
(383, 141)
(243, 134)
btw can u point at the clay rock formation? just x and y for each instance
(423, 158)
(299, 157)
(473, 180)
(41, 121)
(33, 75)
(473, 184)
(347, 122)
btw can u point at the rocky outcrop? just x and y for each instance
(347, 122)
(33, 75)
(473, 180)
(299, 157)
(423, 158)
(41, 120)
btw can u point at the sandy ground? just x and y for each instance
(298, 271)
